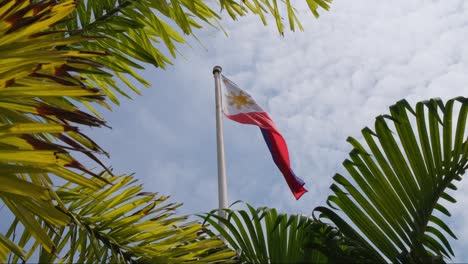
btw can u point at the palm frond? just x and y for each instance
(123, 224)
(143, 32)
(39, 92)
(264, 235)
(59, 57)
(400, 182)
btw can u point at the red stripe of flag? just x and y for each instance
(276, 145)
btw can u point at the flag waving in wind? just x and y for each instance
(239, 106)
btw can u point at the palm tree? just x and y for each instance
(263, 235)
(59, 61)
(393, 195)
(121, 223)
(399, 183)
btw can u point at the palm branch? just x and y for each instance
(39, 92)
(59, 57)
(264, 235)
(396, 187)
(122, 224)
(140, 32)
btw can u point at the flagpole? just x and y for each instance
(222, 181)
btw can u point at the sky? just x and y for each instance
(319, 86)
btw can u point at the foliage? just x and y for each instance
(38, 84)
(59, 58)
(326, 243)
(122, 224)
(393, 195)
(263, 235)
(148, 31)
(399, 183)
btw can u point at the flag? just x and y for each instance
(239, 106)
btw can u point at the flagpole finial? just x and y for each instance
(217, 69)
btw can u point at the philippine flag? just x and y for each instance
(239, 106)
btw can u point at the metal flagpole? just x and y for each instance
(222, 182)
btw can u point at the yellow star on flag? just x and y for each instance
(240, 100)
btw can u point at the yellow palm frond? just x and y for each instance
(122, 224)
(40, 88)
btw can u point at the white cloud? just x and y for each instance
(319, 86)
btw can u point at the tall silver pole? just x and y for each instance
(222, 182)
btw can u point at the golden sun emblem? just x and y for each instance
(240, 100)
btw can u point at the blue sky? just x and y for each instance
(319, 86)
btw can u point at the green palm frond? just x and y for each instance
(60, 60)
(122, 224)
(40, 89)
(139, 32)
(399, 182)
(263, 235)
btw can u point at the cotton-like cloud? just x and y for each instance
(320, 87)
